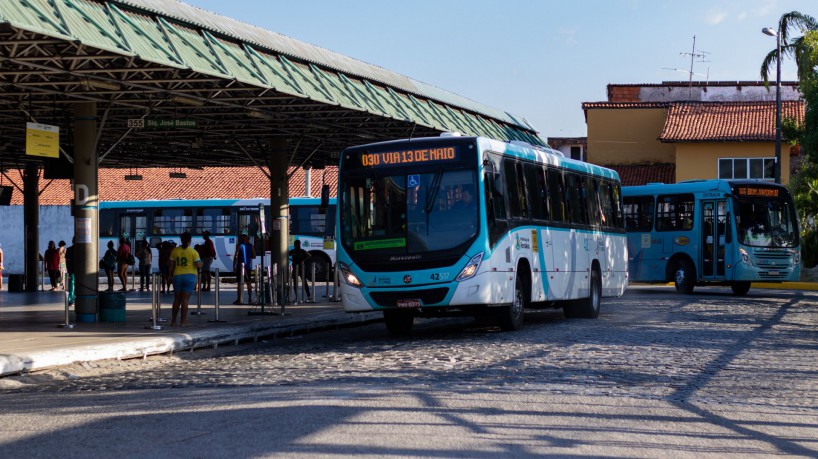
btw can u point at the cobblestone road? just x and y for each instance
(657, 374)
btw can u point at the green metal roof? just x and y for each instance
(174, 34)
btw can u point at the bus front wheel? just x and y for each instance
(740, 288)
(399, 321)
(684, 276)
(511, 317)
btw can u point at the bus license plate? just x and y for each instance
(408, 303)
(773, 273)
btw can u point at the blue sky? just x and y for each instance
(539, 59)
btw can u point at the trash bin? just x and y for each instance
(111, 307)
(17, 283)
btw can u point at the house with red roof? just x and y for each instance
(677, 131)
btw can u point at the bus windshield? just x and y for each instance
(766, 223)
(409, 213)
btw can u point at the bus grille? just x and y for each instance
(774, 265)
(428, 296)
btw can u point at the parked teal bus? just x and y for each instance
(156, 221)
(474, 226)
(712, 232)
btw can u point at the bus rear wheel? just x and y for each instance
(740, 288)
(511, 317)
(586, 308)
(684, 276)
(399, 321)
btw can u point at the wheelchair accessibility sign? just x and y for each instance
(413, 181)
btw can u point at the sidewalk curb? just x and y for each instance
(787, 285)
(179, 340)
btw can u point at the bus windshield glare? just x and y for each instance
(409, 213)
(766, 223)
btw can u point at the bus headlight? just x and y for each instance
(745, 257)
(797, 258)
(471, 268)
(349, 278)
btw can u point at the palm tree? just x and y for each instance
(795, 47)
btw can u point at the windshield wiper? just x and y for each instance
(431, 196)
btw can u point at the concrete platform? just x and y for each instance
(30, 337)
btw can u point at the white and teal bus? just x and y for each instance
(470, 225)
(716, 232)
(155, 221)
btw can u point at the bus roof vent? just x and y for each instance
(450, 134)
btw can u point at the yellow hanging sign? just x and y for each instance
(42, 140)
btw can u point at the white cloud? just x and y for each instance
(714, 17)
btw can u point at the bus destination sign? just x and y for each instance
(757, 192)
(411, 156)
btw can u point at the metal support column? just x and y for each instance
(86, 212)
(279, 208)
(31, 221)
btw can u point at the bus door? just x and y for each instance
(714, 233)
(249, 225)
(133, 225)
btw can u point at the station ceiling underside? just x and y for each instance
(235, 97)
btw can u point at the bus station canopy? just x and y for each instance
(178, 86)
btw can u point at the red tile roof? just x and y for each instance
(640, 174)
(211, 182)
(726, 121)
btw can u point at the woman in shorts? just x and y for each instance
(184, 264)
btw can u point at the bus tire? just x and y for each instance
(586, 308)
(684, 276)
(740, 288)
(399, 321)
(511, 317)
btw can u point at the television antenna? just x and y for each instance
(701, 56)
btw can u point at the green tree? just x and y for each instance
(804, 184)
(797, 48)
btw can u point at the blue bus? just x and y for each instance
(717, 232)
(156, 221)
(474, 226)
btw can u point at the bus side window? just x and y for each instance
(675, 212)
(535, 180)
(512, 189)
(590, 200)
(617, 203)
(556, 195)
(577, 213)
(638, 213)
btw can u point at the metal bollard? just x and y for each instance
(155, 302)
(335, 281)
(67, 323)
(271, 284)
(311, 298)
(241, 283)
(257, 273)
(216, 302)
(198, 311)
(326, 279)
